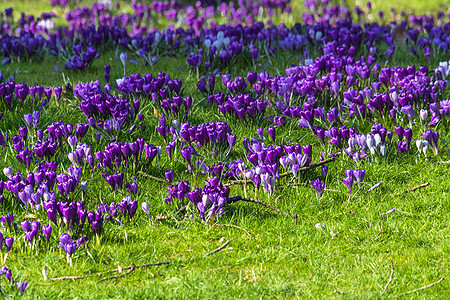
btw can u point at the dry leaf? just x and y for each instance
(30, 217)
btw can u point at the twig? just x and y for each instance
(413, 189)
(390, 278)
(328, 160)
(265, 204)
(217, 250)
(117, 276)
(379, 232)
(159, 263)
(183, 208)
(152, 177)
(132, 267)
(231, 225)
(422, 288)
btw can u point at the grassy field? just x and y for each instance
(336, 247)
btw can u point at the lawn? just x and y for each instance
(384, 241)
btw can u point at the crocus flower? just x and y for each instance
(169, 175)
(47, 231)
(319, 186)
(349, 183)
(21, 286)
(146, 208)
(272, 132)
(432, 137)
(123, 59)
(359, 175)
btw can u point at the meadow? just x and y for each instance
(268, 149)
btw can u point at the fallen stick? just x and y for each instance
(117, 276)
(379, 232)
(132, 267)
(217, 250)
(413, 189)
(243, 181)
(264, 204)
(152, 177)
(231, 225)
(390, 278)
(419, 289)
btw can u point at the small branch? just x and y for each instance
(390, 278)
(132, 267)
(371, 225)
(159, 263)
(231, 225)
(217, 250)
(152, 177)
(183, 208)
(117, 276)
(243, 181)
(323, 162)
(266, 205)
(379, 232)
(413, 189)
(422, 288)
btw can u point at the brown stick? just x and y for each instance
(379, 232)
(266, 205)
(152, 177)
(413, 189)
(132, 267)
(117, 276)
(243, 181)
(390, 278)
(419, 289)
(231, 225)
(217, 250)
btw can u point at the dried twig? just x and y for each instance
(379, 232)
(413, 189)
(231, 225)
(183, 208)
(117, 276)
(132, 267)
(243, 181)
(371, 225)
(390, 278)
(217, 250)
(152, 177)
(419, 289)
(264, 204)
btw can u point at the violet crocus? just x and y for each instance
(349, 183)
(123, 59)
(21, 286)
(359, 175)
(319, 186)
(169, 175)
(68, 245)
(47, 231)
(272, 133)
(409, 112)
(432, 137)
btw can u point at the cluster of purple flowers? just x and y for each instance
(20, 286)
(81, 59)
(13, 94)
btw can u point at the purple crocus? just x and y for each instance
(319, 186)
(21, 286)
(169, 175)
(47, 231)
(349, 183)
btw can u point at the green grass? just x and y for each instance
(283, 257)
